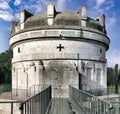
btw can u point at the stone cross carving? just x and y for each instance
(60, 47)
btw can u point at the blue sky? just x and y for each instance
(9, 10)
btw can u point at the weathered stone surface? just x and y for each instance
(59, 49)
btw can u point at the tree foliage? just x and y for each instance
(110, 76)
(116, 75)
(5, 66)
(113, 77)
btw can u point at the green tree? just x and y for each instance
(116, 76)
(110, 76)
(119, 78)
(5, 66)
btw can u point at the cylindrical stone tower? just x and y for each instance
(59, 49)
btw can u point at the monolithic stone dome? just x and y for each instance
(61, 18)
(53, 19)
(36, 21)
(67, 18)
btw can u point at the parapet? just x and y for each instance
(53, 19)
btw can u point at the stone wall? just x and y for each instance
(59, 49)
(49, 49)
(93, 75)
(60, 74)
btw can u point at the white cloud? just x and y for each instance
(5, 1)
(108, 7)
(9, 29)
(61, 4)
(99, 3)
(5, 10)
(6, 15)
(109, 4)
(17, 2)
(17, 16)
(111, 21)
(38, 8)
(4, 5)
(113, 58)
(33, 6)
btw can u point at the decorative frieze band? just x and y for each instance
(58, 33)
(50, 56)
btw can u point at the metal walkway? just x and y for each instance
(79, 102)
(61, 106)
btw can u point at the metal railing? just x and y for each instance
(37, 104)
(97, 91)
(21, 94)
(88, 103)
(27, 93)
(116, 103)
(100, 91)
(34, 89)
(9, 107)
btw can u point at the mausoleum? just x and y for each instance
(59, 49)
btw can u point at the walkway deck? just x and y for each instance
(61, 106)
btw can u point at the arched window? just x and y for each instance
(90, 73)
(98, 75)
(90, 69)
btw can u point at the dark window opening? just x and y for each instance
(100, 50)
(18, 50)
(97, 19)
(14, 69)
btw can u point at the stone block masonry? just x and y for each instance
(59, 49)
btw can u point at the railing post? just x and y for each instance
(12, 108)
(21, 108)
(11, 94)
(34, 89)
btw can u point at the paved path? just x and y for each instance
(61, 106)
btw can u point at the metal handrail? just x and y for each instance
(116, 103)
(9, 107)
(89, 103)
(37, 104)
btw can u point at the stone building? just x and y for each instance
(59, 49)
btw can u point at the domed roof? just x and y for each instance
(62, 18)
(36, 20)
(67, 18)
(57, 20)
